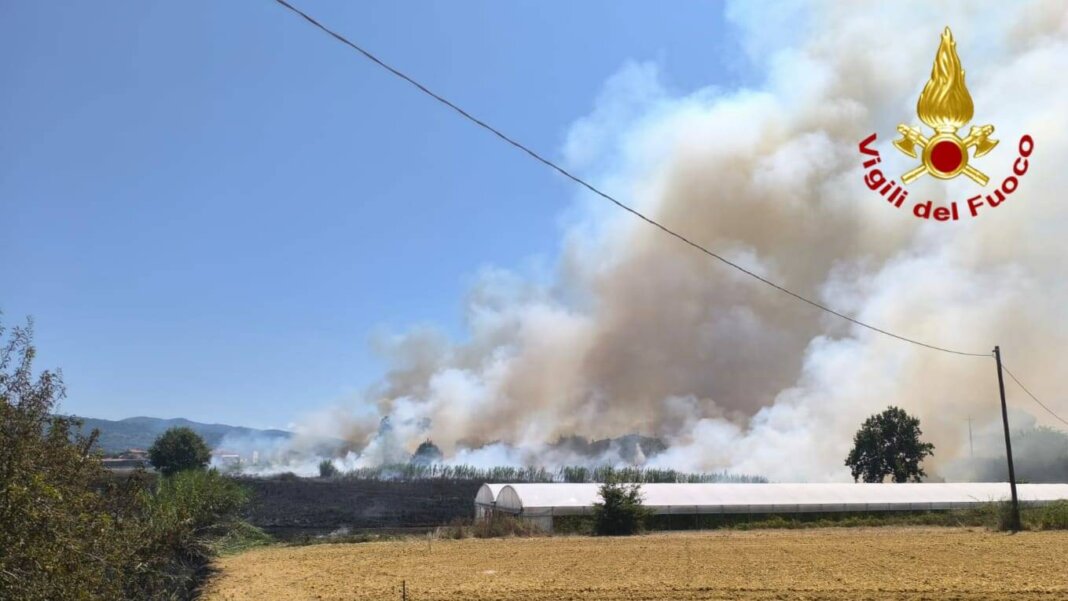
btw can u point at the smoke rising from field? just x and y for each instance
(1040, 454)
(636, 332)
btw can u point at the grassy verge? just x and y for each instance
(498, 526)
(1050, 517)
(994, 516)
(344, 536)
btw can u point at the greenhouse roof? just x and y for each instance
(487, 493)
(577, 499)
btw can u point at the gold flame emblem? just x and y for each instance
(945, 106)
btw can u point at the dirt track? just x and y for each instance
(838, 564)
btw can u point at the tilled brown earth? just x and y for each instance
(837, 564)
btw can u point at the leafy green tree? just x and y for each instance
(889, 444)
(620, 511)
(179, 449)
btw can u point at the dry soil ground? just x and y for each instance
(837, 564)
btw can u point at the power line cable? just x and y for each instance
(1033, 397)
(607, 196)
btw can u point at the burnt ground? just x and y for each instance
(295, 507)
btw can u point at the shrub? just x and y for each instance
(58, 536)
(497, 525)
(500, 525)
(620, 511)
(71, 530)
(179, 523)
(200, 500)
(428, 453)
(1004, 515)
(179, 449)
(1052, 517)
(327, 469)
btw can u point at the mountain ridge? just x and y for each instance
(139, 432)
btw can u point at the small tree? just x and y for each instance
(327, 469)
(179, 449)
(620, 511)
(428, 453)
(888, 444)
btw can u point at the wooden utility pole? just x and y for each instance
(1008, 445)
(971, 447)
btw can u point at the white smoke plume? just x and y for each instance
(636, 332)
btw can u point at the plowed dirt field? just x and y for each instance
(836, 564)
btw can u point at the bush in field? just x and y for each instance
(179, 449)
(428, 453)
(201, 501)
(496, 525)
(180, 521)
(59, 538)
(499, 525)
(327, 469)
(620, 511)
(68, 529)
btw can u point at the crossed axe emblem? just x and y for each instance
(945, 155)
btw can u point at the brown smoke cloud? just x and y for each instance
(638, 333)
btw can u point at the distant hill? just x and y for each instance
(141, 432)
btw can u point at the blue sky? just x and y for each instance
(210, 208)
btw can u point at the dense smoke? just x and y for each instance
(638, 333)
(1040, 454)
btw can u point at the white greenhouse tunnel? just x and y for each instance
(540, 503)
(485, 499)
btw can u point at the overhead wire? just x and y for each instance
(1030, 394)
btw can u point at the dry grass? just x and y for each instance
(883, 563)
